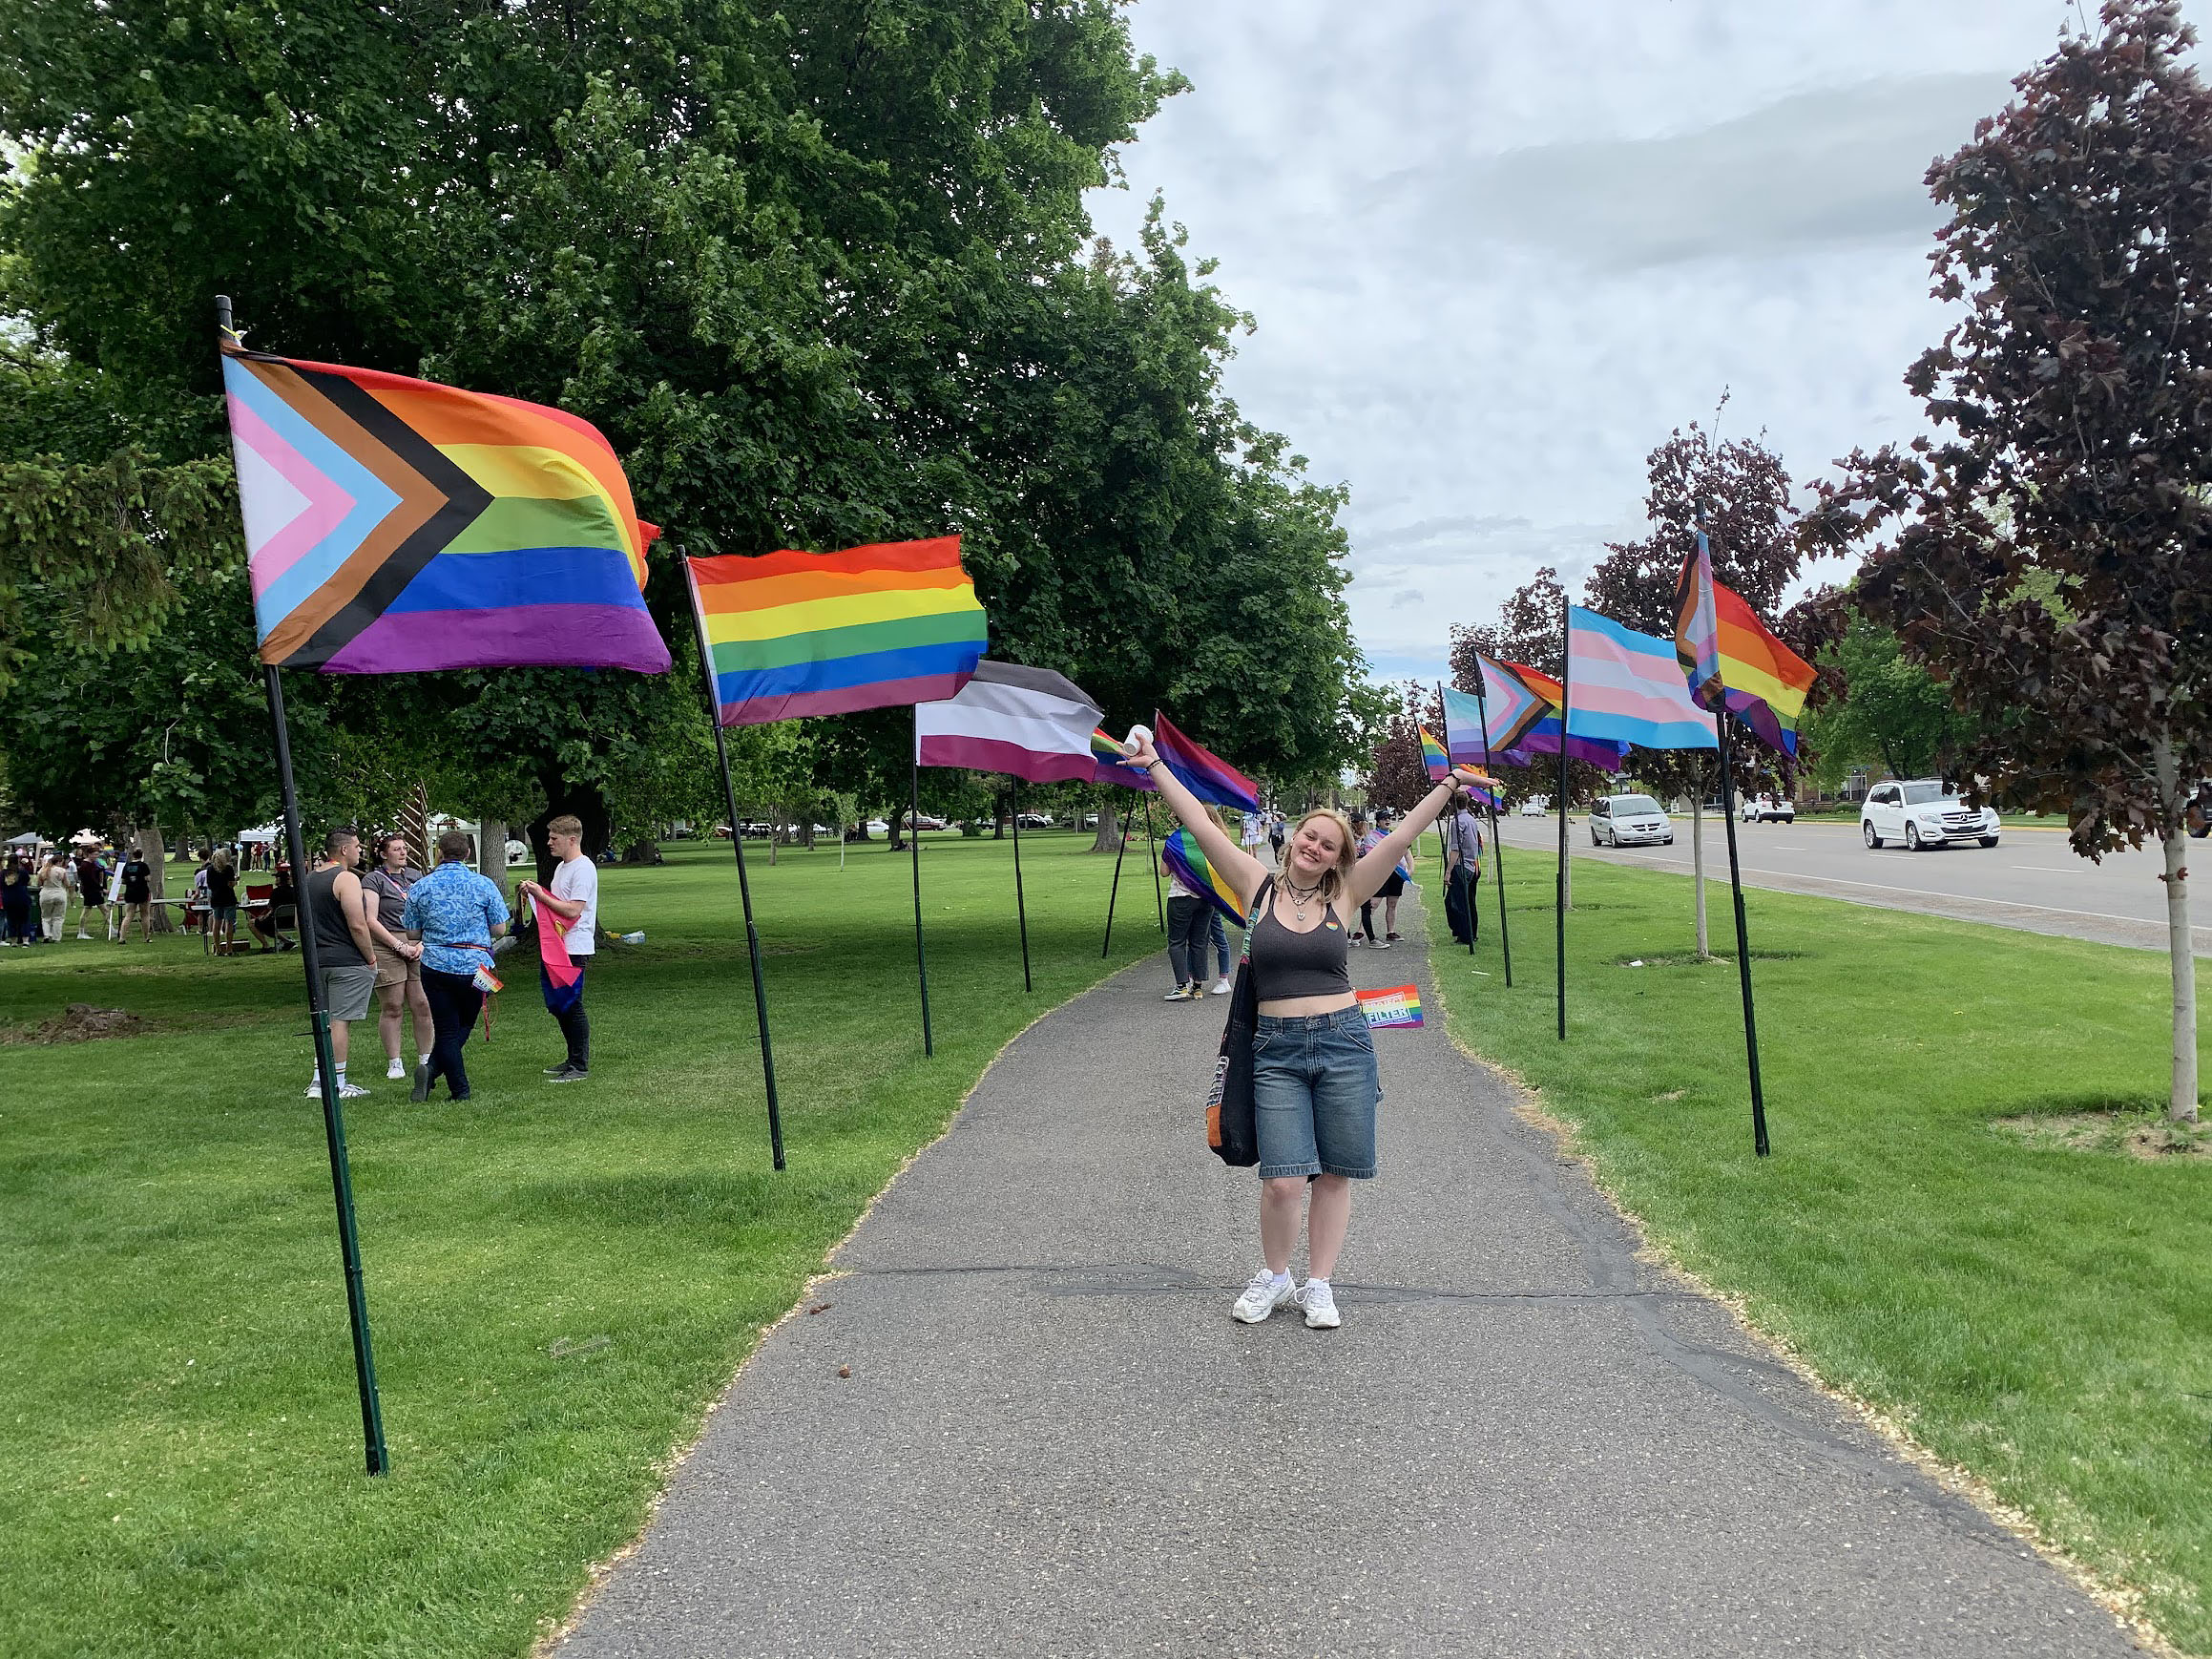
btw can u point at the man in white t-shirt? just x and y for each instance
(574, 901)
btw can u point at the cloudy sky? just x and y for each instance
(1498, 250)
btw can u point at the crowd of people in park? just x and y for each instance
(36, 891)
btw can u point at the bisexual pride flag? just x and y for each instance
(394, 525)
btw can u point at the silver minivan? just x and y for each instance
(1629, 821)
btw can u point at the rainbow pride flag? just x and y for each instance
(1434, 757)
(1181, 853)
(1203, 773)
(395, 526)
(1730, 659)
(1487, 789)
(1111, 765)
(795, 634)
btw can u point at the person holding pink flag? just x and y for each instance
(568, 916)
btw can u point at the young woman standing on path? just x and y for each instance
(1313, 1072)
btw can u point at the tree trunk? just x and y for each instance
(492, 852)
(583, 803)
(2182, 1096)
(998, 817)
(151, 850)
(1698, 871)
(1108, 836)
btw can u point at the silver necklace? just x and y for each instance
(1300, 900)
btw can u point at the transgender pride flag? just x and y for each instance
(1623, 687)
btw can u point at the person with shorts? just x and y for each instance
(1314, 1078)
(457, 914)
(92, 887)
(222, 902)
(399, 959)
(574, 898)
(134, 883)
(337, 912)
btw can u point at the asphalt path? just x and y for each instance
(1053, 1439)
(2032, 879)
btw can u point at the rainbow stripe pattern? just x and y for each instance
(1434, 757)
(395, 526)
(1730, 659)
(1395, 1005)
(1110, 764)
(795, 634)
(1203, 773)
(1181, 853)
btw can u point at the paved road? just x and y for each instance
(1055, 1440)
(2031, 879)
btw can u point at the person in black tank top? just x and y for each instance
(1313, 1065)
(331, 915)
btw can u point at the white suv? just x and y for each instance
(1923, 813)
(1629, 821)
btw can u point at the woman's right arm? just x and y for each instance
(1245, 873)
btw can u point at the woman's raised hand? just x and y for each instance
(1144, 754)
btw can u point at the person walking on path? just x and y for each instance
(92, 888)
(53, 895)
(1275, 835)
(574, 898)
(135, 884)
(1365, 840)
(1314, 1080)
(1463, 850)
(1253, 832)
(1225, 959)
(222, 902)
(399, 961)
(337, 912)
(457, 914)
(1186, 939)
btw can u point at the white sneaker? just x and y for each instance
(353, 1091)
(315, 1088)
(1262, 1296)
(1320, 1303)
(1223, 987)
(396, 1069)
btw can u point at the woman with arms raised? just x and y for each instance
(1314, 1082)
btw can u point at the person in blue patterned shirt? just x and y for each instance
(457, 914)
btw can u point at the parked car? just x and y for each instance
(878, 827)
(1766, 809)
(1922, 812)
(923, 821)
(1534, 807)
(1629, 821)
(1035, 820)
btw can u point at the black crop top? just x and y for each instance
(1285, 963)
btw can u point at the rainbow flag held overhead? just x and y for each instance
(1487, 791)
(1434, 757)
(1395, 1005)
(1207, 775)
(1111, 765)
(797, 634)
(1730, 659)
(1181, 853)
(395, 526)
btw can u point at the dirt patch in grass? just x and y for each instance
(81, 1023)
(2123, 1131)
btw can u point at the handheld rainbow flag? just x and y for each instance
(1396, 1005)
(1434, 757)
(1730, 659)
(1111, 765)
(1207, 775)
(395, 526)
(798, 634)
(1181, 853)
(1485, 790)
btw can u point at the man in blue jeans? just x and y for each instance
(457, 914)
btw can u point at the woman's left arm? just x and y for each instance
(1376, 864)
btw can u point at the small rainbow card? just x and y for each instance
(1397, 1005)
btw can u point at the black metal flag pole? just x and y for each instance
(1443, 855)
(1497, 840)
(1020, 905)
(1559, 881)
(1122, 832)
(714, 715)
(914, 841)
(1742, 941)
(1151, 846)
(377, 1458)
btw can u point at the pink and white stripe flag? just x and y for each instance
(1623, 687)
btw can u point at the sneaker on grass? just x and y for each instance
(568, 1074)
(351, 1091)
(1262, 1296)
(422, 1090)
(396, 1069)
(1320, 1303)
(557, 1068)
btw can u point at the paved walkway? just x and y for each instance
(1055, 1440)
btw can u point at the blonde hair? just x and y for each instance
(1335, 879)
(220, 859)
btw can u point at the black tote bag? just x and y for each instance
(1232, 1124)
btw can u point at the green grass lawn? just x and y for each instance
(559, 1279)
(2039, 1315)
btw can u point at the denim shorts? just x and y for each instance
(1315, 1087)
